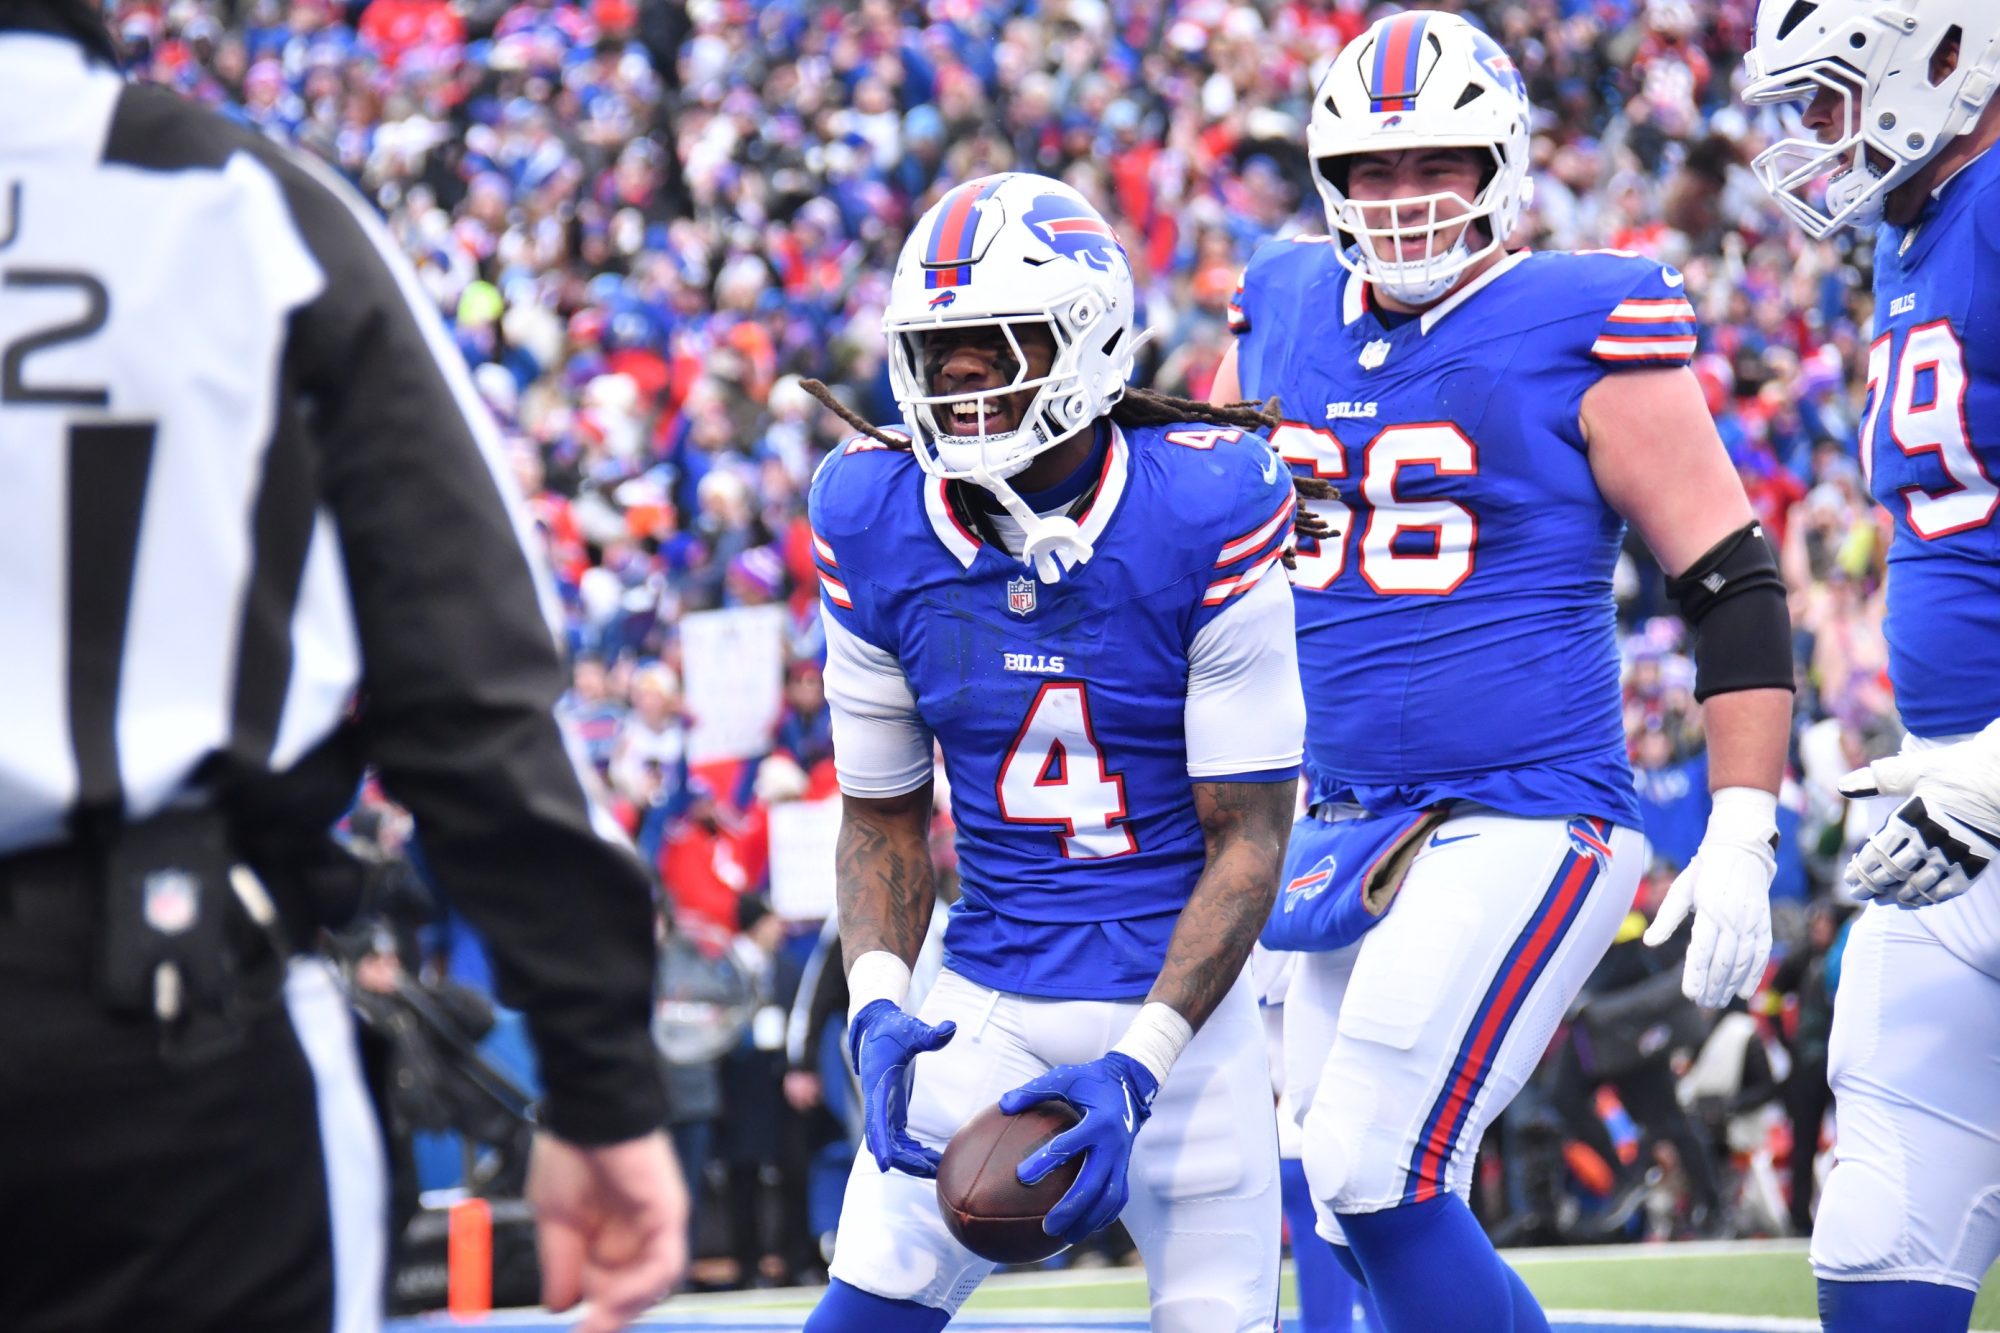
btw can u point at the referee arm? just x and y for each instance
(461, 672)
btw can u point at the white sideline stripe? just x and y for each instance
(1680, 1249)
(1733, 1323)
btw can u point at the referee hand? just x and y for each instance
(611, 1226)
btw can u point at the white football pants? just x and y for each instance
(1402, 1048)
(1915, 1065)
(1204, 1174)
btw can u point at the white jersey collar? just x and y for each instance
(964, 544)
(1466, 293)
(1354, 300)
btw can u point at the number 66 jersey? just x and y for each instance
(1457, 632)
(1073, 716)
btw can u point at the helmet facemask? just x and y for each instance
(1850, 187)
(1001, 442)
(1378, 225)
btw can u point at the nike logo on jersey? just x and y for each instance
(1271, 466)
(1903, 305)
(1035, 663)
(1439, 840)
(1348, 411)
(1672, 277)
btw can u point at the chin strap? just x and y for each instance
(1406, 281)
(1845, 189)
(1051, 545)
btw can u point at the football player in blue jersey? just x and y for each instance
(1076, 591)
(1896, 138)
(1489, 420)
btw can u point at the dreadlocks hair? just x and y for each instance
(1149, 407)
(1139, 408)
(832, 404)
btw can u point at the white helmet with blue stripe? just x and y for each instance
(1008, 251)
(1418, 80)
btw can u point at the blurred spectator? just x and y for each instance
(1624, 1030)
(1806, 980)
(649, 751)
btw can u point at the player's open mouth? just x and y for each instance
(965, 418)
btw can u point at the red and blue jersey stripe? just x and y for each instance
(1393, 83)
(1244, 559)
(948, 253)
(1590, 842)
(1658, 329)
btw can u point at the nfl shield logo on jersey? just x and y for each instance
(1374, 354)
(1021, 595)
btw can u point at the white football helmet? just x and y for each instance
(1009, 251)
(1421, 79)
(1876, 56)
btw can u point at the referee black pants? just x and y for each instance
(151, 1192)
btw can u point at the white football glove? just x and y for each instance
(1728, 885)
(1940, 839)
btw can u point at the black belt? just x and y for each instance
(160, 918)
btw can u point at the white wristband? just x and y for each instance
(1743, 814)
(1156, 1038)
(877, 975)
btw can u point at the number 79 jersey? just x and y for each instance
(1930, 443)
(1457, 632)
(1073, 717)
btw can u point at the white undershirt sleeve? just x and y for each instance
(1245, 710)
(881, 746)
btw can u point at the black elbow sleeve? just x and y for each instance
(1733, 599)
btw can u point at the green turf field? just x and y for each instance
(1735, 1278)
(1768, 1279)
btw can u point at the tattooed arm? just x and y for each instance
(882, 874)
(1245, 825)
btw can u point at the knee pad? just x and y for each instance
(1883, 1217)
(1862, 1225)
(1328, 1157)
(848, 1309)
(1204, 1314)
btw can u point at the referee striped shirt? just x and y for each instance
(255, 531)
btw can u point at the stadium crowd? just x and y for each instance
(647, 221)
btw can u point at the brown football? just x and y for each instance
(984, 1203)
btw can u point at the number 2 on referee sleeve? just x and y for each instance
(1054, 774)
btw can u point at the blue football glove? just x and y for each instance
(1114, 1094)
(882, 1040)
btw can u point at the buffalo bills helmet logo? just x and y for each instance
(1498, 64)
(1073, 231)
(941, 300)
